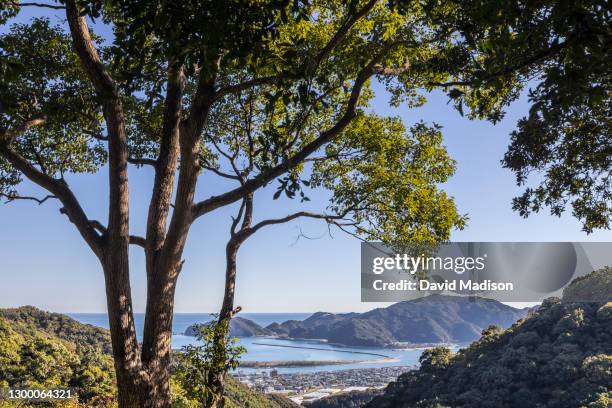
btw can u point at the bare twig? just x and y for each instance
(34, 4)
(220, 173)
(14, 197)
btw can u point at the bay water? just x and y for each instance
(274, 349)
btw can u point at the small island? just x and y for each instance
(239, 327)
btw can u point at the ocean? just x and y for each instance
(273, 349)
(181, 321)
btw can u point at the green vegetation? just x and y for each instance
(561, 356)
(583, 288)
(201, 367)
(62, 326)
(240, 396)
(46, 350)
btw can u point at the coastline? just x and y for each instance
(311, 363)
(322, 349)
(394, 346)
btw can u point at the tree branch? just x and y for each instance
(96, 136)
(97, 225)
(236, 220)
(134, 239)
(165, 169)
(61, 191)
(539, 56)
(88, 54)
(143, 161)
(137, 240)
(11, 134)
(333, 42)
(189, 136)
(246, 232)
(41, 5)
(220, 173)
(263, 178)
(237, 88)
(14, 197)
(118, 210)
(344, 29)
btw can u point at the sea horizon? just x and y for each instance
(181, 321)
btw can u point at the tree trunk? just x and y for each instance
(142, 377)
(132, 381)
(216, 379)
(157, 338)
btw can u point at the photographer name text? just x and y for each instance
(447, 285)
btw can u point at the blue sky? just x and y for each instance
(44, 262)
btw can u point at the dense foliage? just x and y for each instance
(566, 136)
(47, 350)
(583, 289)
(43, 350)
(238, 396)
(62, 326)
(560, 357)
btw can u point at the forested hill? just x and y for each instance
(39, 349)
(433, 319)
(32, 355)
(61, 326)
(561, 356)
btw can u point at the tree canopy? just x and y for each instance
(305, 67)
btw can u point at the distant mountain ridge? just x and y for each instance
(434, 319)
(239, 327)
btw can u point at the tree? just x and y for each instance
(199, 364)
(259, 93)
(376, 158)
